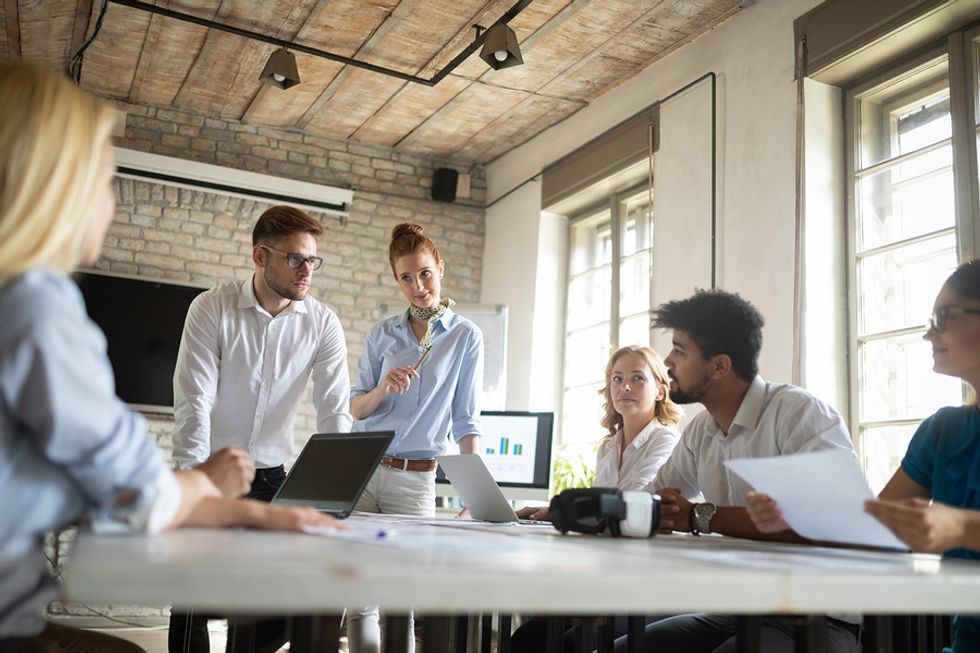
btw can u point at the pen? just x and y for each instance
(383, 534)
(424, 355)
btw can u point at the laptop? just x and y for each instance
(469, 475)
(332, 471)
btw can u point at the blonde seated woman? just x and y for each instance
(640, 420)
(641, 424)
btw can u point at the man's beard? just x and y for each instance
(692, 395)
(283, 290)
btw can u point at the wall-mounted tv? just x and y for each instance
(142, 320)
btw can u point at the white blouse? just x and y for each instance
(642, 458)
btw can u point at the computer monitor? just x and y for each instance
(516, 447)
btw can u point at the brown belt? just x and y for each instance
(424, 465)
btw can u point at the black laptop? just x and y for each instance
(332, 471)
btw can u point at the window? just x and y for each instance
(905, 236)
(608, 303)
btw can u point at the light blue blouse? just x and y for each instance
(443, 401)
(68, 446)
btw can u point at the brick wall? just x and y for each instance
(199, 238)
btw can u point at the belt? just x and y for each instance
(423, 465)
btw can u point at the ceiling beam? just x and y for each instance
(12, 16)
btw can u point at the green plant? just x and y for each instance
(572, 469)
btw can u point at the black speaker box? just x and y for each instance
(444, 184)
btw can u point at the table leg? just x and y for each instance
(810, 634)
(607, 634)
(556, 634)
(586, 635)
(636, 634)
(748, 634)
(314, 633)
(395, 638)
(436, 634)
(503, 633)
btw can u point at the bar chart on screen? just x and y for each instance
(508, 447)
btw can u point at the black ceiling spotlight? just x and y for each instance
(498, 55)
(280, 71)
(500, 49)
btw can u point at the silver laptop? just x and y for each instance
(332, 471)
(480, 493)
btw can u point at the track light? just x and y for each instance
(280, 71)
(500, 50)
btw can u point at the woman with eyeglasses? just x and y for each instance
(932, 502)
(420, 375)
(69, 448)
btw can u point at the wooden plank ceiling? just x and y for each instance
(574, 51)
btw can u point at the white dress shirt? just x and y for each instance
(641, 459)
(241, 373)
(773, 420)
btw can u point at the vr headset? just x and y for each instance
(600, 510)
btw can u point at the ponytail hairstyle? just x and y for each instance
(407, 239)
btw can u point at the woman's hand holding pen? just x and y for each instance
(398, 379)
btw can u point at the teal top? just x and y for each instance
(944, 457)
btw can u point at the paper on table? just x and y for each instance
(821, 495)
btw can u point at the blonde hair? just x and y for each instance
(666, 411)
(406, 239)
(52, 140)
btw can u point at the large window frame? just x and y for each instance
(961, 52)
(612, 213)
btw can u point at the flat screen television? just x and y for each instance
(516, 447)
(142, 320)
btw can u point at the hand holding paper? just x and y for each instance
(821, 495)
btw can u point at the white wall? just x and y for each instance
(510, 258)
(752, 55)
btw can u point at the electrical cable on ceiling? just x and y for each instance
(75, 63)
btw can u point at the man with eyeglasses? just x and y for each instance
(247, 353)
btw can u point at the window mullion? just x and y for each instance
(962, 113)
(616, 228)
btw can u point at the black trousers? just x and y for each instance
(189, 632)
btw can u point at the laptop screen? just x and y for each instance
(332, 471)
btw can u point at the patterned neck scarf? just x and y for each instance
(428, 315)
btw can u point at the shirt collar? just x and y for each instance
(247, 299)
(753, 402)
(641, 437)
(445, 320)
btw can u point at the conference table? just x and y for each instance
(447, 568)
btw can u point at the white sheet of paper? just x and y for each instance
(821, 495)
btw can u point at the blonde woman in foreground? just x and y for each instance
(69, 448)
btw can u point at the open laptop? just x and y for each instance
(469, 475)
(332, 471)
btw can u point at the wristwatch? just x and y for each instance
(701, 516)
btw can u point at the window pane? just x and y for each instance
(906, 113)
(635, 330)
(586, 353)
(581, 414)
(634, 284)
(591, 243)
(910, 199)
(897, 287)
(882, 450)
(588, 298)
(897, 381)
(637, 227)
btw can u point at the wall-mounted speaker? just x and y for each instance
(444, 184)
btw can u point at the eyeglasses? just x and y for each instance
(296, 261)
(941, 316)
